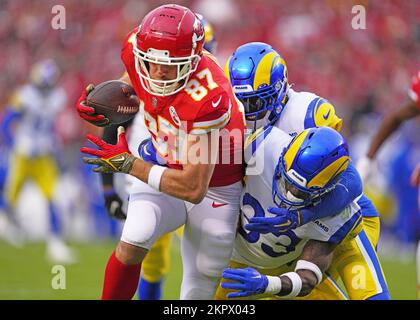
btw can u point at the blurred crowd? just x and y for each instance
(353, 68)
(359, 71)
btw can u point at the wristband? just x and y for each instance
(155, 175)
(296, 284)
(274, 285)
(307, 265)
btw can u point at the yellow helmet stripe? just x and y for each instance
(322, 178)
(290, 154)
(263, 72)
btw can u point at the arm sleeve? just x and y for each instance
(347, 190)
(6, 123)
(325, 115)
(109, 135)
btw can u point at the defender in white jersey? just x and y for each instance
(35, 107)
(285, 161)
(258, 75)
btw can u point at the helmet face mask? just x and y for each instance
(309, 167)
(170, 35)
(264, 104)
(287, 193)
(185, 67)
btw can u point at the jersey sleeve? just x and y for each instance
(214, 114)
(346, 191)
(321, 113)
(333, 229)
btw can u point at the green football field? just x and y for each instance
(25, 274)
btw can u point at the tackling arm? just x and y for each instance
(318, 253)
(346, 191)
(314, 260)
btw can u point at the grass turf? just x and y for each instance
(26, 274)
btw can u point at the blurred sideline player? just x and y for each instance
(258, 75)
(390, 124)
(298, 172)
(155, 265)
(187, 101)
(34, 107)
(9, 229)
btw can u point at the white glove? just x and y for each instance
(365, 166)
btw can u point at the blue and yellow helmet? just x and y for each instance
(309, 167)
(210, 42)
(258, 75)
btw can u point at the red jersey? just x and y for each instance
(206, 103)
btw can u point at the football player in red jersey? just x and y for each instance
(156, 265)
(189, 109)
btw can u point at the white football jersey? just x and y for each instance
(305, 110)
(274, 250)
(35, 133)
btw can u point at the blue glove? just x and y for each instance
(251, 282)
(148, 153)
(284, 221)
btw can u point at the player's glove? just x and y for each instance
(113, 204)
(415, 88)
(249, 282)
(110, 158)
(284, 221)
(88, 113)
(148, 153)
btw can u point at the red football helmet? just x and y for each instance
(169, 35)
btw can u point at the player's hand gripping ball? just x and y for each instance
(111, 102)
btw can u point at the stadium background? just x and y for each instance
(364, 73)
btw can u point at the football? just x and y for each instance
(114, 99)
